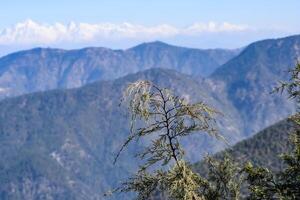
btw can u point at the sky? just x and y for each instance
(125, 23)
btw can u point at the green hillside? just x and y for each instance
(263, 149)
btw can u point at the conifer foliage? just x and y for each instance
(165, 118)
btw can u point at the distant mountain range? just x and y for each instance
(59, 144)
(42, 69)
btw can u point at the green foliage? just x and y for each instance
(291, 175)
(224, 179)
(182, 183)
(262, 184)
(165, 118)
(285, 184)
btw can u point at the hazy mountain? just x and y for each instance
(42, 69)
(60, 144)
(185, 60)
(249, 78)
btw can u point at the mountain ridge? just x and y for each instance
(40, 69)
(249, 79)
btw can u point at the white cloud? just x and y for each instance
(215, 27)
(30, 32)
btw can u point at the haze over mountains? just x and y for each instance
(249, 78)
(59, 144)
(42, 69)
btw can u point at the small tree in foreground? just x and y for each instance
(166, 118)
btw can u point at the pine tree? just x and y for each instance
(158, 114)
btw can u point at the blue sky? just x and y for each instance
(254, 12)
(219, 23)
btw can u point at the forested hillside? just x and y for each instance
(262, 149)
(42, 69)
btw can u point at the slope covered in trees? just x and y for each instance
(249, 78)
(262, 149)
(42, 69)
